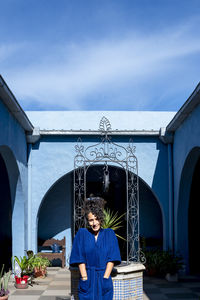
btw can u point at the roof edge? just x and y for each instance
(13, 106)
(185, 110)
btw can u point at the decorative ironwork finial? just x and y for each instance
(104, 124)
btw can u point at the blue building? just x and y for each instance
(37, 152)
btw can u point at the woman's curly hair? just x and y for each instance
(94, 205)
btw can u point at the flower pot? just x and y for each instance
(150, 271)
(21, 282)
(21, 285)
(40, 272)
(4, 297)
(171, 277)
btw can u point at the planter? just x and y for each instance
(40, 272)
(4, 297)
(150, 271)
(171, 277)
(21, 285)
(21, 282)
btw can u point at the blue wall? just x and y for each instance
(53, 157)
(186, 152)
(55, 213)
(47, 175)
(13, 149)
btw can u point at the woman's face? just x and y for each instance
(93, 222)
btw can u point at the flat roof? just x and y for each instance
(89, 120)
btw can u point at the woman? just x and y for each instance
(95, 251)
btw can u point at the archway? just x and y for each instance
(55, 213)
(188, 208)
(17, 204)
(193, 221)
(150, 214)
(6, 216)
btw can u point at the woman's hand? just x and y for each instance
(109, 268)
(82, 269)
(84, 278)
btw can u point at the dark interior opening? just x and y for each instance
(193, 222)
(115, 197)
(6, 217)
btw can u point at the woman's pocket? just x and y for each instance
(83, 285)
(107, 285)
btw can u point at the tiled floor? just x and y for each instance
(161, 289)
(56, 286)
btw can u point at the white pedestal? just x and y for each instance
(127, 282)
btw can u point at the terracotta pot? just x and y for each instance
(150, 272)
(40, 272)
(172, 277)
(4, 297)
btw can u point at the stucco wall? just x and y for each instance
(186, 139)
(53, 157)
(13, 149)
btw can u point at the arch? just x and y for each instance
(64, 182)
(157, 240)
(56, 210)
(12, 169)
(151, 216)
(183, 203)
(13, 194)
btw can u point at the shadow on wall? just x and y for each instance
(150, 216)
(160, 187)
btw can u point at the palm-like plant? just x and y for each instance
(24, 264)
(113, 221)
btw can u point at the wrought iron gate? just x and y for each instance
(109, 153)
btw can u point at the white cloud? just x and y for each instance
(8, 50)
(70, 75)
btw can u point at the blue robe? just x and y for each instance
(96, 255)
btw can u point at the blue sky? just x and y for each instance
(100, 55)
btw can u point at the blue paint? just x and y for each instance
(13, 149)
(44, 173)
(186, 151)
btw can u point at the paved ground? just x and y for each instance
(56, 286)
(161, 289)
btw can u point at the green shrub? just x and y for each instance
(159, 262)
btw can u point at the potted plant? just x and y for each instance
(160, 263)
(40, 265)
(4, 279)
(173, 265)
(23, 270)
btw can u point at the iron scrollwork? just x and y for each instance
(108, 152)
